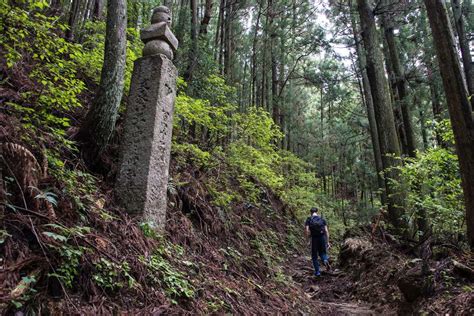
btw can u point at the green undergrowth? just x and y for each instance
(236, 151)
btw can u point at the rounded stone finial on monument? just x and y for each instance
(161, 14)
(158, 47)
(158, 37)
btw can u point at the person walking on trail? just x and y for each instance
(317, 229)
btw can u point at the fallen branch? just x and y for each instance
(463, 270)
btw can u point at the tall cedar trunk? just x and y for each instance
(193, 52)
(464, 45)
(284, 114)
(424, 133)
(397, 111)
(369, 105)
(432, 78)
(73, 17)
(181, 27)
(399, 81)
(273, 58)
(254, 100)
(389, 146)
(218, 29)
(222, 37)
(207, 17)
(99, 124)
(228, 16)
(79, 13)
(98, 9)
(264, 72)
(460, 110)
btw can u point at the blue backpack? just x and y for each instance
(316, 226)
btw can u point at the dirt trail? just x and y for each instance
(333, 290)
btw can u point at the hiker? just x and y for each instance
(316, 227)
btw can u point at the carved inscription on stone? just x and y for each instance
(142, 180)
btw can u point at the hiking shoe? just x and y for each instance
(327, 265)
(317, 273)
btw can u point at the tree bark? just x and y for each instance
(459, 108)
(99, 124)
(72, 21)
(273, 57)
(389, 146)
(399, 82)
(254, 100)
(98, 9)
(193, 52)
(370, 106)
(207, 17)
(228, 41)
(464, 46)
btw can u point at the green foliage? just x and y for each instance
(300, 183)
(78, 185)
(27, 282)
(215, 304)
(163, 273)
(257, 129)
(69, 253)
(31, 37)
(202, 115)
(267, 247)
(221, 198)
(93, 45)
(190, 153)
(113, 276)
(256, 163)
(435, 186)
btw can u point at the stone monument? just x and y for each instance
(142, 179)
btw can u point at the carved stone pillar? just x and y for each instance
(146, 144)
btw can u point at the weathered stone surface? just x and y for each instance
(160, 31)
(161, 14)
(143, 176)
(158, 37)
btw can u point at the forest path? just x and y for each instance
(333, 290)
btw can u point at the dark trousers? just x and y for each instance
(318, 248)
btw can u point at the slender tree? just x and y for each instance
(459, 22)
(192, 56)
(207, 17)
(389, 146)
(400, 83)
(368, 103)
(459, 108)
(99, 123)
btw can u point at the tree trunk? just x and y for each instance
(432, 77)
(273, 58)
(370, 107)
(193, 52)
(460, 110)
(389, 146)
(222, 38)
(228, 14)
(464, 45)
(207, 17)
(424, 134)
(99, 124)
(254, 100)
(400, 82)
(72, 21)
(98, 9)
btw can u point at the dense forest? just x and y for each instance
(161, 157)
